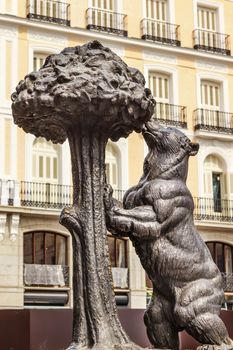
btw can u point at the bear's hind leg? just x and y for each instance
(160, 329)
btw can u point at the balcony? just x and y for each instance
(213, 120)
(162, 32)
(40, 194)
(211, 41)
(106, 21)
(169, 114)
(213, 210)
(49, 11)
(45, 195)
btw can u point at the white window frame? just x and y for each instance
(223, 82)
(14, 7)
(122, 151)
(170, 10)
(173, 81)
(118, 5)
(219, 152)
(212, 5)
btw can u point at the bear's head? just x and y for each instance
(169, 150)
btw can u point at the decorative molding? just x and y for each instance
(118, 49)
(8, 32)
(211, 66)
(3, 219)
(92, 35)
(47, 37)
(150, 55)
(14, 226)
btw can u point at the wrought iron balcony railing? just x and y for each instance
(213, 210)
(106, 21)
(49, 11)
(45, 195)
(211, 41)
(213, 120)
(159, 31)
(54, 196)
(169, 114)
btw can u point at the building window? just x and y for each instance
(156, 27)
(117, 251)
(38, 60)
(215, 182)
(45, 248)
(156, 9)
(49, 10)
(45, 161)
(45, 260)
(166, 113)
(112, 166)
(206, 19)
(103, 16)
(207, 36)
(222, 255)
(210, 95)
(118, 261)
(160, 87)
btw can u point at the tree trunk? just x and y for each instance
(95, 324)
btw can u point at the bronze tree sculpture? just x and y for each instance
(86, 94)
(158, 218)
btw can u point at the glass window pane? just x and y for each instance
(219, 256)
(27, 248)
(39, 248)
(111, 244)
(121, 253)
(55, 168)
(47, 167)
(210, 245)
(49, 248)
(61, 250)
(34, 63)
(41, 166)
(228, 259)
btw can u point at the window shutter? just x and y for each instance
(231, 183)
(208, 183)
(206, 18)
(156, 9)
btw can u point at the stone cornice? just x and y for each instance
(91, 35)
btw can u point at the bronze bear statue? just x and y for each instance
(157, 216)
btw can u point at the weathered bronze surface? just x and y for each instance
(158, 218)
(88, 94)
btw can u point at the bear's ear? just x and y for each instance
(194, 148)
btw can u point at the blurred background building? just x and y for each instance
(184, 49)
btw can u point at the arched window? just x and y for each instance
(45, 161)
(112, 166)
(45, 259)
(45, 248)
(38, 60)
(222, 255)
(117, 251)
(215, 180)
(118, 261)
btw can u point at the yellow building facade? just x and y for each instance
(184, 49)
